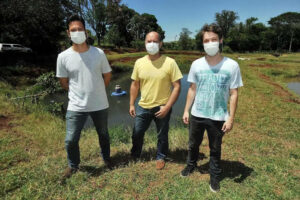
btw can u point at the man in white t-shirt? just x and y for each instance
(84, 72)
(214, 79)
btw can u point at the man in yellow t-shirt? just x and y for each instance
(154, 75)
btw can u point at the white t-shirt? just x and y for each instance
(86, 85)
(213, 84)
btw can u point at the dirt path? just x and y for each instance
(280, 91)
(5, 122)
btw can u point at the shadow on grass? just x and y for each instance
(122, 160)
(230, 169)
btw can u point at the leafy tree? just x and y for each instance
(185, 41)
(114, 36)
(198, 41)
(286, 25)
(34, 23)
(226, 20)
(94, 12)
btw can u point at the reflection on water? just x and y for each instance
(119, 106)
(294, 86)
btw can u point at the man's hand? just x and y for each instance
(64, 82)
(132, 111)
(162, 112)
(227, 126)
(186, 117)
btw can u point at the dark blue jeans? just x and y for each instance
(141, 124)
(215, 135)
(75, 123)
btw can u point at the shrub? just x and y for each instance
(227, 49)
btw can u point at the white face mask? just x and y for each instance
(78, 37)
(152, 48)
(211, 48)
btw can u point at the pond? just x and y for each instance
(119, 106)
(295, 87)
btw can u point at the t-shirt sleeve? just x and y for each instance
(134, 75)
(105, 67)
(61, 70)
(236, 78)
(191, 77)
(175, 72)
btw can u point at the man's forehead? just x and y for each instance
(76, 23)
(210, 35)
(152, 36)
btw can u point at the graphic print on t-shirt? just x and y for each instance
(213, 88)
(213, 84)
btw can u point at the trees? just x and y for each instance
(40, 24)
(34, 23)
(286, 25)
(94, 12)
(185, 42)
(226, 20)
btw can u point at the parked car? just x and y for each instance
(14, 47)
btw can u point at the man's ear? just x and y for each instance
(68, 33)
(160, 44)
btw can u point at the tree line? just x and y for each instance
(282, 34)
(41, 25)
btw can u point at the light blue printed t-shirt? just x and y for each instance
(86, 85)
(213, 84)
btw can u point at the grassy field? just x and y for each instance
(260, 157)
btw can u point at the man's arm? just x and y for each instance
(134, 90)
(174, 95)
(227, 126)
(189, 101)
(64, 82)
(106, 78)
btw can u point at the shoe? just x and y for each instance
(160, 164)
(108, 164)
(135, 158)
(69, 172)
(214, 185)
(187, 170)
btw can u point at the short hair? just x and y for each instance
(73, 18)
(159, 37)
(212, 28)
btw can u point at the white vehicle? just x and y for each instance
(4, 47)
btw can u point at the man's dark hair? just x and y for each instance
(73, 18)
(212, 28)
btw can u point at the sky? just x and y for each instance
(173, 15)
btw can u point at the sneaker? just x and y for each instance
(214, 185)
(135, 158)
(69, 172)
(160, 164)
(187, 170)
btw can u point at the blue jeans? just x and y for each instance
(75, 123)
(141, 124)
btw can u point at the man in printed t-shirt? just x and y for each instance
(214, 79)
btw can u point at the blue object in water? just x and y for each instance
(119, 93)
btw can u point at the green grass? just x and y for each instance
(260, 156)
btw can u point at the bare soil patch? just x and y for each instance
(280, 91)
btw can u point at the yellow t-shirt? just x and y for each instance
(155, 79)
